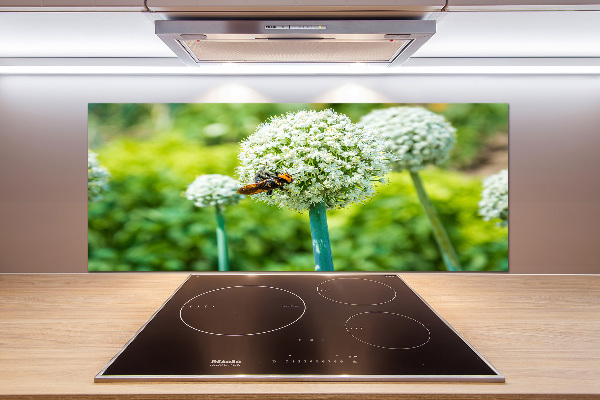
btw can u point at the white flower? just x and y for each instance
(494, 198)
(97, 178)
(213, 190)
(330, 159)
(418, 137)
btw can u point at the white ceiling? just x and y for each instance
(459, 34)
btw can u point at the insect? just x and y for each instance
(266, 182)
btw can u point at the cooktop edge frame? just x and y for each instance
(300, 378)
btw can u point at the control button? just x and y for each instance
(277, 27)
(307, 26)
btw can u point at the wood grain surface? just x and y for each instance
(542, 332)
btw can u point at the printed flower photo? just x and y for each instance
(298, 187)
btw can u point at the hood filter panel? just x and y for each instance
(295, 51)
(388, 42)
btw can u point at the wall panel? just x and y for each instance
(554, 145)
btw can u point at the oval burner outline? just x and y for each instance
(385, 347)
(357, 304)
(243, 334)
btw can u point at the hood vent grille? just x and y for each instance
(390, 42)
(295, 50)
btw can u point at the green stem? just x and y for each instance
(320, 237)
(222, 241)
(441, 237)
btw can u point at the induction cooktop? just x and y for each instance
(290, 326)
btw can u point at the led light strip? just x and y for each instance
(415, 66)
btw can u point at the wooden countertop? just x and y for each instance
(542, 332)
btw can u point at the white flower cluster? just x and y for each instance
(213, 190)
(418, 137)
(494, 198)
(97, 178)
(330, 159)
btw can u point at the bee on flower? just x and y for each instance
(332, 160)
(329, 162)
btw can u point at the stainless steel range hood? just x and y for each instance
(387, 42)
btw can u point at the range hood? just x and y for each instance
(387, 42)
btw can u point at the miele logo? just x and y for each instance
(225, 363)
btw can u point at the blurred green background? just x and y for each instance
(153, 151)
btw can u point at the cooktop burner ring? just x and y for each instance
(348, 329)
(354, 303)
(242, 334)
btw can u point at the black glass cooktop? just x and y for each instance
(339, 327)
